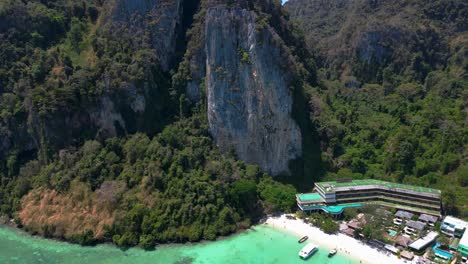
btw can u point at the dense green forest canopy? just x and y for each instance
(175, 187)
(391, 103)
(158, 176)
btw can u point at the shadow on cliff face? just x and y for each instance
(190, 8)
(309, 168)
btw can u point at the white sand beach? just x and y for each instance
(345, 245)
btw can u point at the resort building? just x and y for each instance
(416, 225)
(463, 245)
(422, 243)
(334, 196)
(456, 228)
(453, 227)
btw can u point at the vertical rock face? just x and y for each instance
(249, 102)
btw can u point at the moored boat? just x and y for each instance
(331, 253)
(304, 238)
(308, 251)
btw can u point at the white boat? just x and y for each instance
(308, 250)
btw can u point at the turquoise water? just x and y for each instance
(333, 209)
(441, 252)
(261, 244)
(338, 209)
(392, 232)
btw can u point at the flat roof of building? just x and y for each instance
(464, 241)
(392, 248)
(309, 197)
(332, 185)
(425, 241)
(409, 208)
(458, 223)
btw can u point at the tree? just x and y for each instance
(400, 151)
(75, 35)
(443, 241)
(463, 176)
(356, 233)
(243, 193)
(350, 213)
(279, 196)
(449, 200)
(330, 226)
(86, 238)
(325, 223)
(368, 231)
(430, 253)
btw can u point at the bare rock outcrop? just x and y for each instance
(248, 89)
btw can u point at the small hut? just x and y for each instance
(407, 255)
(403, 241)
(349, 232)
(354, 225)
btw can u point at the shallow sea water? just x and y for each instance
(261, 244)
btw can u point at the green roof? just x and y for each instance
(405, 207)
(355, 183)
(463, 250)
(305, 197)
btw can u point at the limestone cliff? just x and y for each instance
(248, 95)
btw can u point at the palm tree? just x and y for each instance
(430, 253)
(443, 240)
